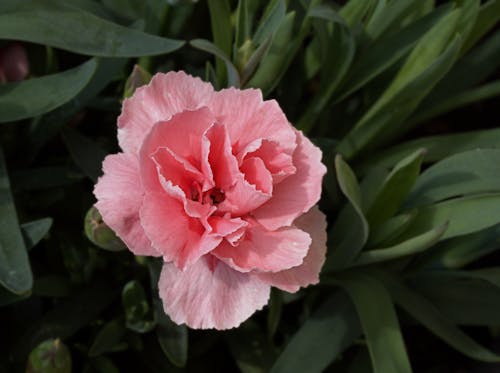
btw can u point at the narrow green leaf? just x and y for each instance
(323, 337)
(109, 339)
(274, 314)
(396, 187)
(350, 232)
(255, 59)
(270, 68)
(411, 246)
(384, 52)
(437, 148)
(272, 18)
(242, 26)
(220, 21)
(354, 11)
(41, 21)
(34, 231)
(137, 78)
(462, 174)
(461, 251)
(465, 215)
(487, 18)
(380, 324)
(390, 230)
(37, 96)
(386, 16)
(461, 296)
(426, 314)
(428, 62)
(15, 270)
(233, 78)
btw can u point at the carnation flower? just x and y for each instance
(223, 188)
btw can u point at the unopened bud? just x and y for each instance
(99, 233)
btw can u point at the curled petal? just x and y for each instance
(177, 236)
(313, 222)
(266, 251)
(119, 196)
(165, 96)
(248, 118)
(298, 192)
(209, 294)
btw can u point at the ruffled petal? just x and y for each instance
(177, 236)
(165, 96)
(184, 135)
(119, 196)
(298, 192)
(314, 223)
(209, 294)
(266, 251)
(247, 118)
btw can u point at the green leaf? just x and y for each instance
(395, 188)
(233, 78)
(411, 246)
(87, 154)
(487, 18)
(99, 233)
(472, 69)
(385, 52)
(462, 174)
(461, 251)
(15, 271)
(84, 33)
(274, 314)
(461, 296)
(350, 232)
(220, 21)
(386, 15)
(323, 337)
(138, 314)
(355, 10)
(437, 148)
(339, 48)
(389, 231)
(50, 356)
(426, 314)
(243, 24)
(380, 324)
(270, 21)
(37, 96)
(34, 231)
(109, 339)
(137, 78)
(465, 215)
(173, 338)
(270, 69)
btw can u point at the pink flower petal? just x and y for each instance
(119, 196)
(313, 222)
(264, 250)
(178, 237)
(247, 118)
(240, 196)
(209, 294)
(257, 174)
(298, 192)
(165, 96)
(183, 134)
(279, 163)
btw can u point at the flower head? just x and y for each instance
(223, 188)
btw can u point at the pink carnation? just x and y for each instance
(223, 188)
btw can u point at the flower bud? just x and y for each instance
(99, 233)
(14, 64)
(50, 356)
(136, 79)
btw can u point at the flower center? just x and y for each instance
(212, 196)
